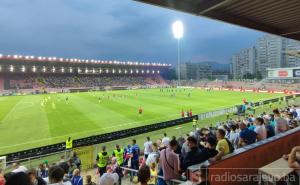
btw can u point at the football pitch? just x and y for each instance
(36, 120)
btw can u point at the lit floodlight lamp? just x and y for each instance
(177, 29)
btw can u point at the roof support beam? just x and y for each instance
(209, 5)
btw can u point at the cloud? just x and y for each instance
(113, 29)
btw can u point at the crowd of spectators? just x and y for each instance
(67, 81)
(168, 157)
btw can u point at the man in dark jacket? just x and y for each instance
(198, 154)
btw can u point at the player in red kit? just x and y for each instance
(140, 111)
(191, 113)
(182, 113)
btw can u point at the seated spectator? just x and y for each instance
(144, 175)
(294, 163)
(109, 179)
(34, 179)
(222, 145)
(2, 179)
(18, 178)
(260, 129)
(247, 136)
(169, 162)
(19, 168)
(77, 179)
(56, 176)
(197, 154)
(89, 181)
(281, 125)
(269, 128)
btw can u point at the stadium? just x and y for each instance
(72, 121)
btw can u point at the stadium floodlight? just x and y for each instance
(44, 69)
(1, 55)
(0, 68)
(23, 69)
(11, 68)
(34, 69)
(178, 30)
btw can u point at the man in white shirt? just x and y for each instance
(18, 168)
(260, 129)
(147, 147)
(165, 140)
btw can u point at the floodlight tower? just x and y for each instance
(177, 29)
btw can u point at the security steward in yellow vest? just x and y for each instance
(119, 154)
(194, 124)
(102, 161)
(69, 144)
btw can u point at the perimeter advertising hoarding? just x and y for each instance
(296, 73)
(281, 73)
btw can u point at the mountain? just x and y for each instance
(217, 66)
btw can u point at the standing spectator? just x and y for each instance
(76, 160)
(77, 179)
(56, 176)
(135, 152)
(72, 167)
(19, 168)
(102, 160)
(234, 136)
(144, 175)
(147, 147)
(119, 154)
(32, 174)
(169, 161)
(89, 180)
(153, 156)
(247, 136)
(153, 173)
(222, 145)
(165, 140)
(2, 179)
(260, 129)
(18, 178)
(42, 171)
(185, 148)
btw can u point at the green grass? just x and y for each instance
(26, 123)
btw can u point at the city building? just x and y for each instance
(195, 71)
(270, 52)
(243, 63)
(273, 52)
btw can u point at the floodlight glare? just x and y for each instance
(177, 29)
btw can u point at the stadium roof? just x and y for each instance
(279, 17)
(81, 61)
